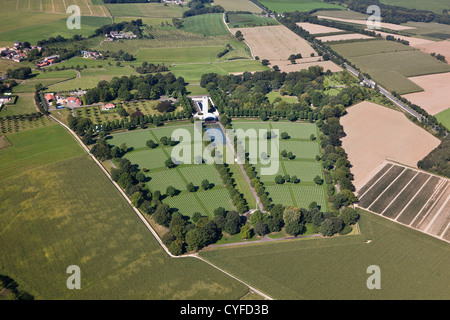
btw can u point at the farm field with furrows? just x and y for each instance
(410, 197)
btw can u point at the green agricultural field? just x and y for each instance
(151, 10)
(238, 5)
(281, 6)
(33, 34)
(87, 7)
(192, 73)
(391, 68)
(35, 148)
(444, 118)
(369, 47)
(62, 210)
(437, 6)
(413, 265)
(206, 24)
(241, 20)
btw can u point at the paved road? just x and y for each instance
(384, 92)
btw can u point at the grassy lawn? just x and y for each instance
(304, 166)
(335, 268)
(159, 177)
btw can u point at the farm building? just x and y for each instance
(74, 101)
(5, 99)
(49, 97)
(91, 55)
(108, 106)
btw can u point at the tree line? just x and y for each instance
(146, 87)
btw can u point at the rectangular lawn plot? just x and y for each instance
(296, 130)
(301, 149)
(251, 125)
(367, 198)
(148, 158)
(280, 194)
(135, 139)
(186, 204)
(197, 173)
(390, 193)
(304, 195)
(268, 178)
(162, 179)
(158, 133)
(214, 198)
(305, 171)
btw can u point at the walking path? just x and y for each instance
(247, 179)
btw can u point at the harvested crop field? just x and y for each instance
(440, 47)
(354, 21)
(413, 42)
(434, 98)
(317, 28)
(344, 37)
(275, 42)
(411, 197)
(375, 133)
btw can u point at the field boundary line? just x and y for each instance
(406, 205)
(445, 230)
(375, 183)
(405, 225)
(436, 214)
(400, 192)
(147, 224)
(399, 175)
(436, 192)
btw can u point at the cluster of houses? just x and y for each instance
(91, 55)
(47, 61)
(179, 2)
(61, 101)
(71, 102)
(113, 35)
(17, 53)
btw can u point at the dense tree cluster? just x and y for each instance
(147, 87)
(197, 7)
(438, 160)
(150, 68)
(9, 290)
(124, 26)
(19, 73)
